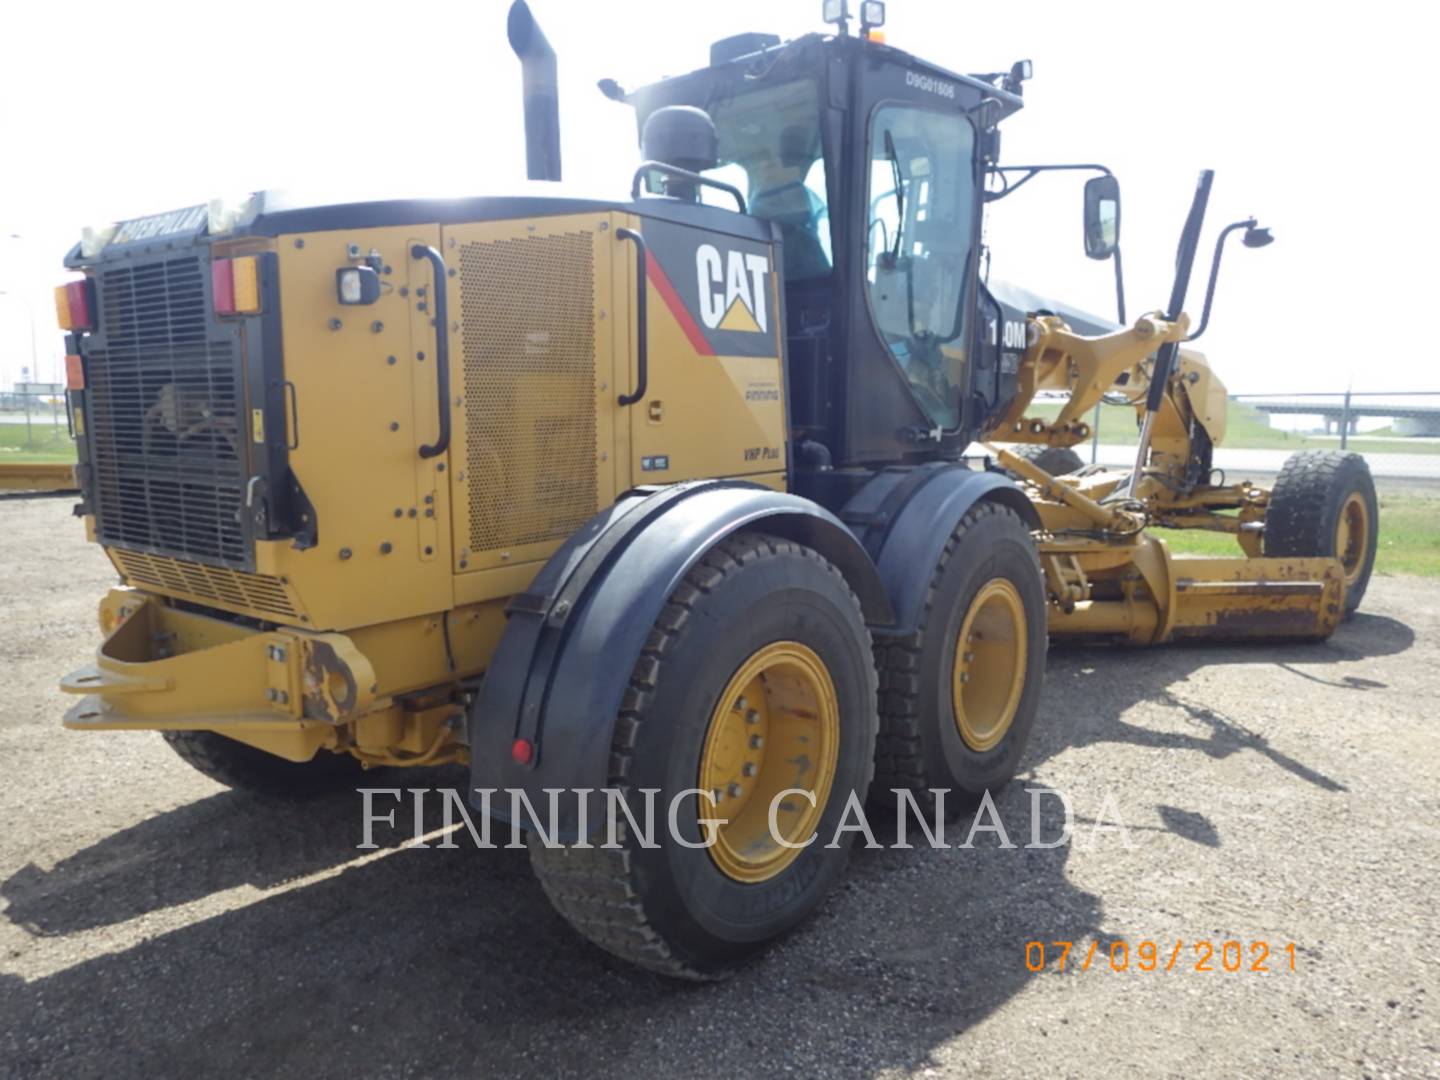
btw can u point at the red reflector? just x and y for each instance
(222, 285)
(77, 298)
(522, 750)
(74, 373)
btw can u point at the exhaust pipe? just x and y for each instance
(542, 98)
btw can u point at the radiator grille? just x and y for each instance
(258, 593)
(163, 397)
(529, 339)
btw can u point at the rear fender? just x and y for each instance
(905, 516)
(571, 643)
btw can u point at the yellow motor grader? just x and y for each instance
(664, 491)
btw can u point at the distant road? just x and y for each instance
(1237, 461)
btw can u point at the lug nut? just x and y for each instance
(756, 742)
(752, 717)
(718, 794)
(964, 676)
(748, 769)
(734, 791)
(969, 656)
(742, 704)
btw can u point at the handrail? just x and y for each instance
(642, 336)
(442, 348)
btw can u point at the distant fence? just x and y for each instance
(1399, 433)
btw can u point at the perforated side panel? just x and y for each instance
(528, 308)
(258, 593)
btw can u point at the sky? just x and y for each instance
(1310, 114)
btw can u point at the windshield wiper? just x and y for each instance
(898, 175)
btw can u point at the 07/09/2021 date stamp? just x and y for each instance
(1258, 957)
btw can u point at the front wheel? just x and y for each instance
(755, 693)
(959, 696)
(1324, 503)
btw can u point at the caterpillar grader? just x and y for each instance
(730, 486)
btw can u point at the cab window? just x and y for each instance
(770, 149)
(920, 234)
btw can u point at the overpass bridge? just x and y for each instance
(1409, 413)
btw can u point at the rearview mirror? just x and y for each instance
(1102, 216)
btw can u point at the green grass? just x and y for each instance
(1409, 537)
(45, 441)
(1247, 427)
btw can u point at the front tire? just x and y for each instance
(757, 677)
(1324, 503)
(237, 765)
(959, 696)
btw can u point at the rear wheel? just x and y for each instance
(1324, 503)
(1055, 460)
(757, 680)
(237, 765)
(959, 696)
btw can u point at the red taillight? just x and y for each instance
(72, 306)
(522, 751)
(235, 284)
(222, 286)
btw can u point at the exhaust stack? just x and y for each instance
(542, 99)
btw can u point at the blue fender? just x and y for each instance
(560, 672)
(905, 516)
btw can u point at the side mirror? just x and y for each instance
(1102, 217)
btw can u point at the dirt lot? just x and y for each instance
(157, 925)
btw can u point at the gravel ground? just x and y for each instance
(158, 925)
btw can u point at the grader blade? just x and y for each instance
(37, 477)
(1189, 597)
(1256, 598)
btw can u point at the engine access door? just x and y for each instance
(532, 356)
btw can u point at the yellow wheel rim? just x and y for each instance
(775, 726)
(1352, 536)
(989, 669)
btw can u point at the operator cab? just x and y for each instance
(870, 165)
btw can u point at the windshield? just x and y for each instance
(770, 149)
(920, 233)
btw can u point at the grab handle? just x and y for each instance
(642, 336)
(442, 348)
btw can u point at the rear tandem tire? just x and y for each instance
(757, 677)
(1324, 503)
(237, 765)
(963, 731)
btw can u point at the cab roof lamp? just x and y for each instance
(872, 18)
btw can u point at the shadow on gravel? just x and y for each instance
(451, 963)
(1111, 680)
(205, 847)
